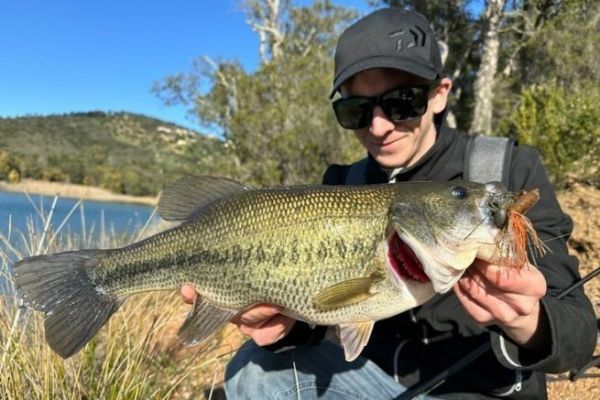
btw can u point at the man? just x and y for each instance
(393, 95)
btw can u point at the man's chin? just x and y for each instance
(390, 160)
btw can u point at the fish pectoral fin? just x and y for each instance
(204, 320)
(344, 293)
(354, 337)
(184, 199)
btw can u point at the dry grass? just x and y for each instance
(135, 356)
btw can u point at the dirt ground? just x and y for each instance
(583, 204)
(61, 189)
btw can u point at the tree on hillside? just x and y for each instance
(551, 99)
(483, 86)
(556, 43)
(276, 120)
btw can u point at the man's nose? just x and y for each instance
(380, 123)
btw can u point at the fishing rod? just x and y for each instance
(425, 387)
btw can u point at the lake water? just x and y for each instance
(120, 217)
(18, 214)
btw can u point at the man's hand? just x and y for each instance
(509, 298)
(264, 323)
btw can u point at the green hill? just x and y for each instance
(123, 152)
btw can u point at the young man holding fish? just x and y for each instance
(393, 95)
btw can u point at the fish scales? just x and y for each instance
(247, 247)
(331, 255)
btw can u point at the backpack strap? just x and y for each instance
(487, 159)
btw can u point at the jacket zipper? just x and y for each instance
(516, 387)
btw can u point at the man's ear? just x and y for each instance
(440, 96)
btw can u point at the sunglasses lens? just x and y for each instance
(405, 103)
(401, 104)
(353, 113)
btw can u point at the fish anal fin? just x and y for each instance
(354, 337)
(203, 321)
(183, 199)
(350, 291)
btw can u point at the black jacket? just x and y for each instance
(434, 336)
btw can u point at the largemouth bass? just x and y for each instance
(329, 255)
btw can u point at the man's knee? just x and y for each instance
(255, 372)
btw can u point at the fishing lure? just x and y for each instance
(519, 229)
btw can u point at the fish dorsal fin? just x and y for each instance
(204, 320)
(183, 199)
(350, 291)
(354, 337)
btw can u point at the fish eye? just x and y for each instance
(460, 192)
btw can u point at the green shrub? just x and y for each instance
(563, 124)
(54, 174)
(135, 356)
(8, 168)
(112, 180)
(14, 176)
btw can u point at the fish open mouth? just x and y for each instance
(404, 260)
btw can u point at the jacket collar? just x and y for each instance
(437, 160)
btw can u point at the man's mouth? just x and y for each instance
(383, 144)
(390, 141)
(404, 261)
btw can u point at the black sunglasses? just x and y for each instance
(400, 104)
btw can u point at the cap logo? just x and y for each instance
(408, 38)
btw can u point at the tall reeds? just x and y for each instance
(136, 356)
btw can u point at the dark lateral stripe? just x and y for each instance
(261, 253)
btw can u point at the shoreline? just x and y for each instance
(76, 191)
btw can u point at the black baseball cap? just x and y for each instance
(388, 38)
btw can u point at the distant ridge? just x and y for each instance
(123, 152)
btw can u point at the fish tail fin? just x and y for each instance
(59, 286)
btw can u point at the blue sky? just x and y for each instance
(61, 56)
